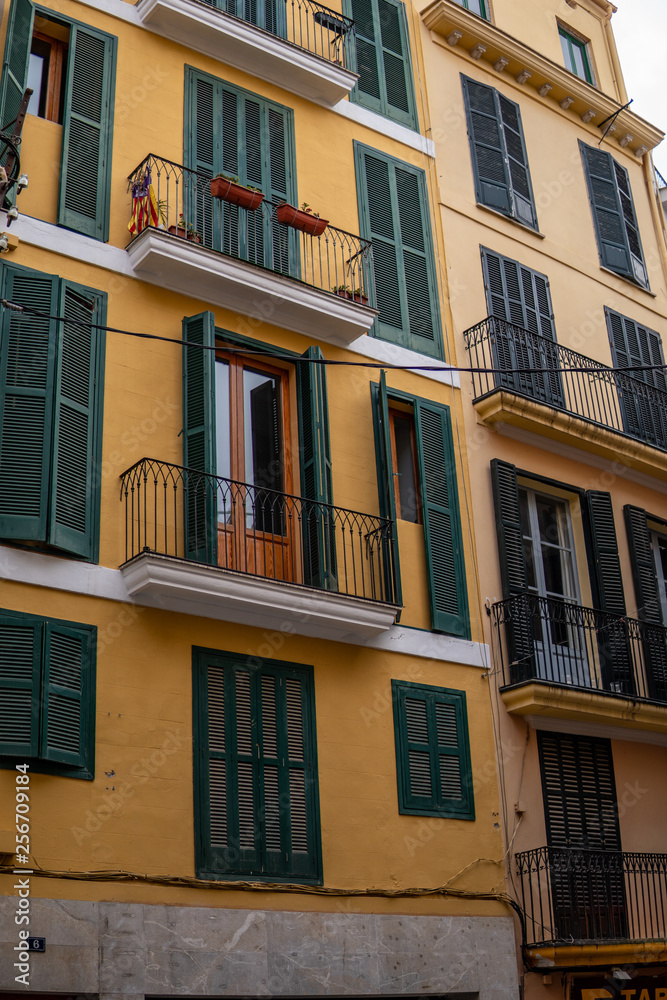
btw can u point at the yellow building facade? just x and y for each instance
(247, 742)
(555, 256)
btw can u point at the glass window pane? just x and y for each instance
(407, 487)
(222, 430)
(567, 56)
(262, 431)
(579, 61)
(36, 68)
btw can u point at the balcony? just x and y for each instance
(563, 660)
(209, 546)
(574, 898)
(299, 45)
(548, 389)
(246, 260)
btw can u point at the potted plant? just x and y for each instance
(303, 219)
(185, 230)
(229, 189)
(355, 294)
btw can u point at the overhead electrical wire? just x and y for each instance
(329, 362)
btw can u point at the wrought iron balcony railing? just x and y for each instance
(544, 639)
(572, 895)
(336, 261)
(178, 512)
(311, 26)
(567, 381)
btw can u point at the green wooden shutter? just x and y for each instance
(385, 476)
(65, 694)
(199, 433)
(15, 63)
(607, 210)
(20, 669)
(499, 157)
(432, 751)
(77, 439)
(256, 769)
(519, 626)
(648, 600)
(492, 181)
(85, 177)
(27, 363)
(445, 564)
(607, 586)
(319, 540)
(630, 221)
(643, 412)
(393, 210)
(383, 60)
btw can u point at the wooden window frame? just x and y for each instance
(408, 414)
(574, 41)
(56, 69)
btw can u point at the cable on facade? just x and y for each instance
(327, 362)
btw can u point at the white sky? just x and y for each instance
(640, 29)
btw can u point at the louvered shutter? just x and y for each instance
(644, 412)
(432, 751)
(385, 476)
(581, 813)
(66, 679)
(76, 425)
(607, 585)
(258, 786)
(648, 600)
(517, 160)
(85, 177)
(630, 222)
(445, 564)
(492, 182)
(27, 363)
(17, 56)
(199, 438)
(383, 59)
(513, 572)
(607, 215)
(318, 527)
(20, 670)
(394, 214)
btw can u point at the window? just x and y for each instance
(616, 229)
(642, 409)
(232, 131)
(47, 693)
(476, 6)
(538, 569)
(499, 158)
(432, 751)
(581, 815)
(256, 792)
(404, 461)
(51, 389)
(47, 70)
(437, 494)
(86, 58)
(575, 55)
(383, 59)
(647, 543)
(237, 425)
(394, 214)
(520, 298)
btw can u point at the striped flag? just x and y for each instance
(144, 205)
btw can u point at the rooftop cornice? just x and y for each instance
(473, 37)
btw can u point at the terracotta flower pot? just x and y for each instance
(184, 234)
(236, 194)
(356, 296)
(304, 221)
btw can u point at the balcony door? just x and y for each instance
(586, 879)
(255, 517)
(548, 546)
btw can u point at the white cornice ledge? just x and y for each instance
(461, 31)
(237, 43)
(256, 292)
(175, 585)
